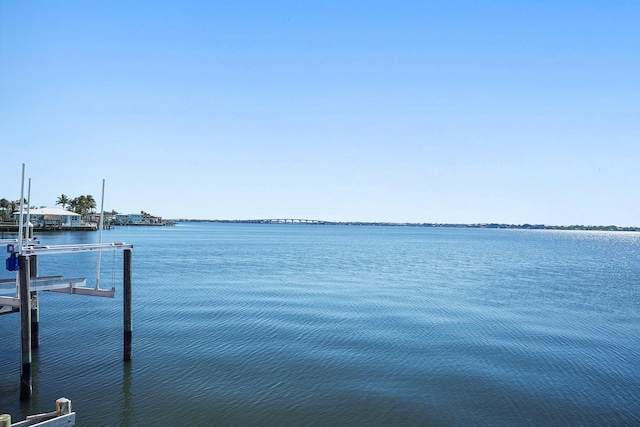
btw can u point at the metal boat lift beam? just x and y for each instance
(43, 283)
(58, 284)
(68, 249)
(83, 290)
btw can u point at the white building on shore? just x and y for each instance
(138, 219)
(126, 219)
(51, 218)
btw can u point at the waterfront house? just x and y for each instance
(94, 218)
(150, 219)
(125, 219)
(51, 218)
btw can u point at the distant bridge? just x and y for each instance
(284, 221)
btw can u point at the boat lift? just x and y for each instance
(21, 294)
(57, 283)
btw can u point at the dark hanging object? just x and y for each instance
(12, 263)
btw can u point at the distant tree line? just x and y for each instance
(83, 205)
(7, 207)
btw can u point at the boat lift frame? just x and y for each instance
(28, 283)
(27, 249)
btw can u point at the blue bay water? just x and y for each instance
(246, 324)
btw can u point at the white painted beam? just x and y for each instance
(46, 420)
(106, 293)
(44, 283)
(67, 249)
(9, 302)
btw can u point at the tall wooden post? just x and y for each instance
(35, 309)
(126, 296)
(25, 327)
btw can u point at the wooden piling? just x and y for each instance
(35, 309)
(63, 406)
(25, 326)
(126, 296)
(5, 420)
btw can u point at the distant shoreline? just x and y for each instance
(429, 225)
(13, 228)
(93, 227)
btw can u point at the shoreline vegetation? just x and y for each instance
(425, 224)
(83, 206)
(13, 227)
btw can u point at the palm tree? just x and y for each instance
(63, 200)
(74, 204)
(4, 205)
(82, 204)
(90, 203)
(14, 205)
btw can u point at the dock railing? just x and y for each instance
(61, 417)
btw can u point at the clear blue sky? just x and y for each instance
(417, 111)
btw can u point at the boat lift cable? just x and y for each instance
(113, 270)
(28, 210)
(21, 225)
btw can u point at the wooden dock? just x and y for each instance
(61, 417)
